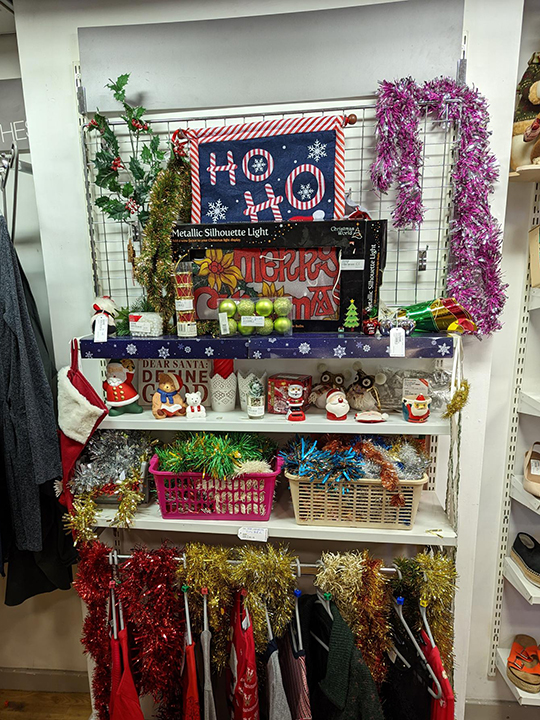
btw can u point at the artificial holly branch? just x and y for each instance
(128, 180)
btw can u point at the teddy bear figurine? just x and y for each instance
(167, 401)
(195, 408)
(526, 129)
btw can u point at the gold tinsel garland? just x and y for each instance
(360, 592)
(207, 566)
(170, 200)
(437, 593)
(267, 576)
(458, 400)
(82, 518)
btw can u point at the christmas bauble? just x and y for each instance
(282, 325)
(264, 307)
(267, 327)
(233, 326)
(246, 307)
(227, 306)
(282, 306)
(245, 329)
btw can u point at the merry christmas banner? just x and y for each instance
(275, 170)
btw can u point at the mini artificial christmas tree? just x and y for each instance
(351, 317)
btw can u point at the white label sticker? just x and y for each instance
(415, 386)
(140, 326)
(253, 533)
(182, 304)
(352, 264)
(251, 321)
(100, 328)
(392, 655)
(255, 410)
(397, 342)
(223, 323)
(186, 329)
(535, 467)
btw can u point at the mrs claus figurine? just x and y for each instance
(337, 406)
(120, 395)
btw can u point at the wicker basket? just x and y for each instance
(362, 503)
(192, 495)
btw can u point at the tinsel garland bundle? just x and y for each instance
(92, 585)
(361, 594)
(155, 614)
(474, 276)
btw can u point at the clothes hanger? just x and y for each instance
(297, 593)
(10, 161)
(185, 589)
(423, 614)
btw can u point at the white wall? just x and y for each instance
(48, 49)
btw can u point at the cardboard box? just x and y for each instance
(278, 391)
(534, 255)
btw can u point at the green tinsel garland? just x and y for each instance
(170, 200)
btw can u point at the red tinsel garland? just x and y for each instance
(389, 476)
(92, 584)
(156, 617)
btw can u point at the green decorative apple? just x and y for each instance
(282, 306)
(264, 307)
(282, 325)
(227, 306)
(233, 327)
(246, 307)
(267, 327)
(245, 329)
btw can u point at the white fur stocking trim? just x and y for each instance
(76, 415)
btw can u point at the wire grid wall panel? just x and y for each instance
(404, 281)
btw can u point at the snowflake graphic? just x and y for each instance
(340, 351)
(305, 192)
(359, 344)
(257, 355)
(209, 351)
(316, 151)
(187, 349)
(217, 211)
(433, 342)
(443, 349)
(163, 352)
(88, 355)
(272, 340)
(259, 165)
(366, 348)
(304, 348)
(131, 349)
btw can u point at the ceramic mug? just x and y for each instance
(415, 408)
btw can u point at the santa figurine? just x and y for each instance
(337, 406)
(295, 401)
(120, 395)
(416, 409)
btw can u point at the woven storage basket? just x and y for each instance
(192, 495)
(358, 503)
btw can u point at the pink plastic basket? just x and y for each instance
(194, 495)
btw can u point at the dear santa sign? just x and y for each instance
(268, 171)
(195, 375)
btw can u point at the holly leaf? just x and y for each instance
(104, 158)
(118, 86)
(115, 209)
(136, 168)
(114, 186)
(154, 144)
(127, 190)
(143, 217)
(138, 112)
(105, 176)
(146, 154)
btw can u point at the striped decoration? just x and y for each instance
(269, 128)
(321, 187)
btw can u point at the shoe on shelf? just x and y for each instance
(526, 554)
(531, 471)
(523, 666)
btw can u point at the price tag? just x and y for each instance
(140, 326)
(253, 533)
(223, 323)
(252, 321)
(397, 342)
(100, 328)
(392, 655)
(352, 264)
(183, 304)
(186, 329)
(535, 467)
(255, 410)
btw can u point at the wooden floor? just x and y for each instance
(44, 706)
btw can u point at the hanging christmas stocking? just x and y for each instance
(80, 411)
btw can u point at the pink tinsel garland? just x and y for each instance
(474, 277)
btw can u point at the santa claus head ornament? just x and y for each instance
(337, 406)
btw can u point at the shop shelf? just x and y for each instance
(526, 588)
(529, 402)
(297, 346)
(523, 698)
(534, 299)
(315, 422)
(431, 527)
(522, 496)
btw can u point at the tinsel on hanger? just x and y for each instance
(207, 566)
(360, 592)
(92, 585)
(437, 593)
(155, 615)
(267, 576)
(408, 583)
(474, 276)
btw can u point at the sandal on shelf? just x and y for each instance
(531, 471)
(526, 554)
(523, 666)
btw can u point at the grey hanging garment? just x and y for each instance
(208, 692)
(278, 707)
